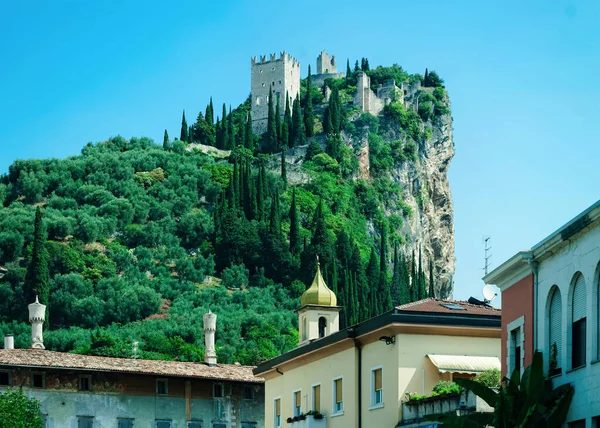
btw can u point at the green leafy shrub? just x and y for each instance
(489, 378)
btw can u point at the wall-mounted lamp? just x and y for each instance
(388, 339)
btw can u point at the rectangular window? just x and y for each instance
(163, 424)
(248, 393)
(297, 398)
(85, 383)
(194, 424)
(377, 386)
(85, 422)
(4, 379)
(38, 380)
(125, 423)
(219, 425)
(577, 424)
(277, 408)
(162, 387)
(338, 397)
(316, 398)
(515, 350)
(578, 335)
(248, 424)
(217, 390)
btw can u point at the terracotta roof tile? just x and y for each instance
(62, 360)
(437, 306)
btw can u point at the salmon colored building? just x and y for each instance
(515, 280)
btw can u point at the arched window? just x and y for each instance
(598, 318)
(555, 330)
(322, 326)
(578, 322)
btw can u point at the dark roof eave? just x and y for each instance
(395, 316)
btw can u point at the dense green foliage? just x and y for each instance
(133, 241)
(19, 411)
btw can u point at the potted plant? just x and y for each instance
(289, 420)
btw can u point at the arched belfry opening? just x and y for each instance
(322, 326)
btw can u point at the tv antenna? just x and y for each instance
(488, 254)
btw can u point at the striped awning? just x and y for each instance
(464, 363)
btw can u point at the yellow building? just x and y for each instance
(358, 377)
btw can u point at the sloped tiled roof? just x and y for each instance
(61, 360)
(437, 306)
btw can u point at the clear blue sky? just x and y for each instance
(522, 77)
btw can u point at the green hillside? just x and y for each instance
(137, 240)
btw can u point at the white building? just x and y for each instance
(560, 276)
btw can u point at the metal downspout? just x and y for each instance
(534, 266)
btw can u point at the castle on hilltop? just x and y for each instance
(281, 76)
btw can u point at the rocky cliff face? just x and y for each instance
(425, 189)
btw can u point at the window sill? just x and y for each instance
(340, 413)
(376, 406)
(595, 361)
(574, 369)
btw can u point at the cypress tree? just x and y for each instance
(210, 113)
(426, 78)
(191, 134)
(422, 284)
(37, 280)
(373, 278)
(275, 219)
(384, 296)
(236, 180)
(184, 129)
(247, 191)
(249, 135)
(294, 226)
(278, 123)
(225, 129)
(231, 131)
(348, 71)
(286, 129)
(271, 127)
(218, 135)
(396, 286)
(414, 283)
(283, 168)
(431, 284)
(298, 124)
(260, 196)
(166, 142)
(356, 67)
(405, 281)
(309, 115)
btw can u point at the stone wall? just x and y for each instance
(281, 76)
(365, 98)
(326, 64)
(116, 396)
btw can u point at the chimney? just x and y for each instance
(9, 342)
(37, 316)
(210, 325)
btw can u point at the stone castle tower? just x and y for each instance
(280, 75)
(326, 64)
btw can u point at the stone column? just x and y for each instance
(37, 316)
(210, 326)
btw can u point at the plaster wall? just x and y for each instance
(416, 372)
(518, 302)
(302, 378)
(581, 254)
